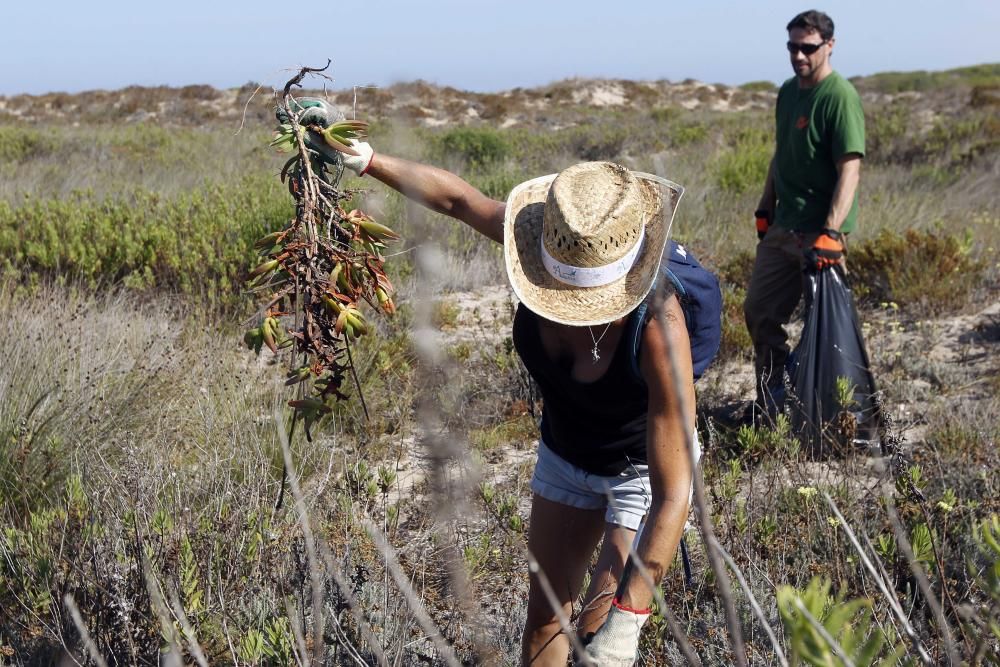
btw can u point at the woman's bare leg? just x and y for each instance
(562, 540)
(607, 574)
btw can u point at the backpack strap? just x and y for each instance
(640, 318)
(636, 325)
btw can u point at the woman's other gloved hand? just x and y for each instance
(616, 643)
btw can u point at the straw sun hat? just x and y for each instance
(583, 246)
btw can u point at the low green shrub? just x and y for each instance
(688, 133)
(478, 147)
(759, 87)
(518, 429)
(920, 80)
(148, 141)
(444, 314)
(888, 127)
(743, 167)
(734, 278)
(738, 268)
(736, 341)
(595, 142)
(601, 139)
(896, 135)
(960, 141)
(200, 243)
(200, 92)
(928, 273)
(665, 114)
(987, 95)
(19, 143)
(498, 182)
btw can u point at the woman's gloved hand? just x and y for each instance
(314, 112)
(616, 643)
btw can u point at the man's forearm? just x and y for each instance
(767, 199)
(849, 175)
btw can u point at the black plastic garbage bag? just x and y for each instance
(832, 405)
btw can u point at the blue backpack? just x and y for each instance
(701, 300)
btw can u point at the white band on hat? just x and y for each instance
(592, 276)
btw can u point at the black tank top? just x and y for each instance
(598, 426)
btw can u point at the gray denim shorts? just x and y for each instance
(626, 496)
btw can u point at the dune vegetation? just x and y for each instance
(153, 506)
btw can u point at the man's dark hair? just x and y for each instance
(813, 20)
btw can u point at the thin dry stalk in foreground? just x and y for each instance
(883, 586)
(81, 627)
(352, 607)
(557, 609)
(758, 612)
(925, 586)
(315, 572)
(412, 599)
(443, 447)
(723, 584)
(159, 607)
(189, 633)
(675, 629)
(834, 645)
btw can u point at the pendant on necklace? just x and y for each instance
(594, 354)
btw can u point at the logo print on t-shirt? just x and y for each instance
(802, 123)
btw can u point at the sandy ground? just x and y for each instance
(968, 344)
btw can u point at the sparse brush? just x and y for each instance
(822, 630)
(924, 272)
(128, 427)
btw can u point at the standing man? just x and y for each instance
(809, 204)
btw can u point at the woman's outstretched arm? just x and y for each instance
(441, 191)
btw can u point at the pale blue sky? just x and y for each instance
(484, 46)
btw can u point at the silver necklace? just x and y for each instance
(594, 354)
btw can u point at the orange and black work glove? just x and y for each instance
(827, 250)
(763, 217)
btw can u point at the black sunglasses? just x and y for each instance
(806, 49)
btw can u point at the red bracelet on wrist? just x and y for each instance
(616, 603)
(367, 166)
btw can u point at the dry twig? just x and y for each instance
(81, 627)
(925, 585)
(315, 573)
(425, 622)
(713, 548)
(890, 597)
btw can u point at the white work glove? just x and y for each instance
(616, 643)
(358, 163)
(316, 111)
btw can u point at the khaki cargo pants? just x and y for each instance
(774, 292)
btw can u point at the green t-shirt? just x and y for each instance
(815, 128)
